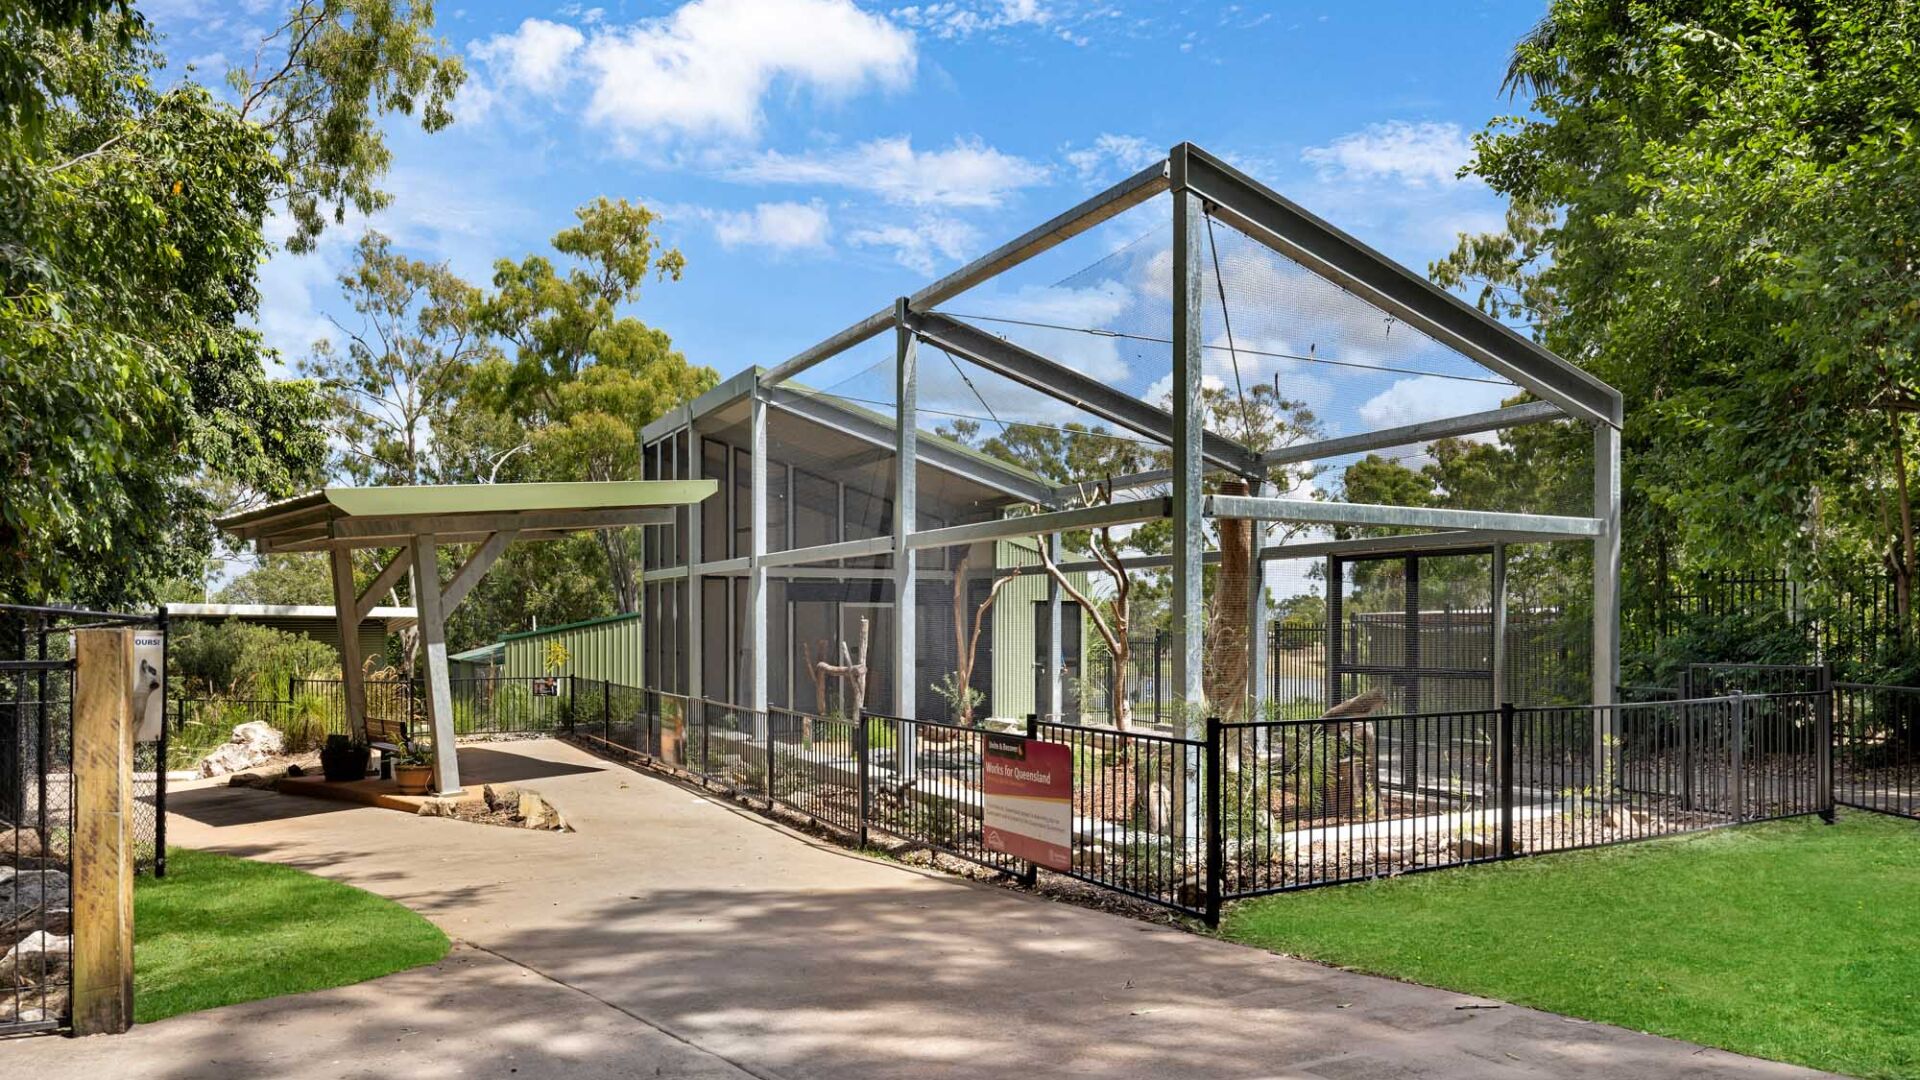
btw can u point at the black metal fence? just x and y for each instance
(1265, 806)
(1313, 802)
(1849, 621)
(36, 825)
(315, 708)
(1876, 755)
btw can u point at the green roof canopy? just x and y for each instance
(459, 513)
(417, 520)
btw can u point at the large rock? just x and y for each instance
(536, 812)
(18, 924)
(37, 959)
(22, 890)
(19, 844)
(34, 1006)
(253, 744)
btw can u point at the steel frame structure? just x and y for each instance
(1200, 185)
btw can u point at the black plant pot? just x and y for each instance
(349, 764)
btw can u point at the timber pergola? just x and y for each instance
(1203, 188)
(415, 522)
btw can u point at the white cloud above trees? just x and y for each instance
(1416, 154)
(969, 173)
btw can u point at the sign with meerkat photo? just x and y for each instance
(149, 682)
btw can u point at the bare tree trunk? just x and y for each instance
(620, 569)
(1904, 570)
(852, 671)
(1117, 686)
(1227, 665)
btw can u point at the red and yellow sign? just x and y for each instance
(1029, 800)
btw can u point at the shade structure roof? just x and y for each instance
(459, 513)
(290, 616)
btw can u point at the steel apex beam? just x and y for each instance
(1287, 228)
(1057, 380)
(1108, 204)
(1410, 517)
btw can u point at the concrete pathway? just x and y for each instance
(672, 935)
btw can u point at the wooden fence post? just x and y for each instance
(103, 831)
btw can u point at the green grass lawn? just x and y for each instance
(219, 930)
(1793, 940)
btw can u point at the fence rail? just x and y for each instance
(1259, 807)
(1269, 806)
(1876, 755)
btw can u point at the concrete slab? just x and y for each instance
(473, 1014)
(792, 958)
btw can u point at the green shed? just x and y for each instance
(606, 648)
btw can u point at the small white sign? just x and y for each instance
(149, 682)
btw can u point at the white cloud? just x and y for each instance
(1426, 397)
(961, 19)
(539, 55)
(704, 69)
(781, 226)
(1126, 153)
(920, 246)
(1418, 155)
(968, 173)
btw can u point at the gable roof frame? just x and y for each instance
(1290, 230)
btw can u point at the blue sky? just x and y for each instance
(815, 158)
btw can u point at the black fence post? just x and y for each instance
(1031, 875)
(765, 719)
(860, 772)
(1824, 771)
(1689, 715)
(606, 711)
(1506, 779)
(1736, 780)
(160, 759)
(1216, 870)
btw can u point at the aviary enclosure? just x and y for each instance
(1145, 421)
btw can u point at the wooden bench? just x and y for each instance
(388, 734)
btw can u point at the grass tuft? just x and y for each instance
(219, 930)
(1791, 940)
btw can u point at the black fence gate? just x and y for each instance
(36, 817)
(37, 799)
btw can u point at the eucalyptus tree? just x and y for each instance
(583, 378)
(403, 364)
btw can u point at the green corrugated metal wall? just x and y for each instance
(1014, 647)
(606, 648)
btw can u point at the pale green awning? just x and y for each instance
(460, 513)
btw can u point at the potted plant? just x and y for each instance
(344, 758)
(413, 773)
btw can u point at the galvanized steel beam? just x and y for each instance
(1117, 199)
(1057, 380)
(1413, 517)
(1289, 229)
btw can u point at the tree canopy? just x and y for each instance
(1715, 208)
